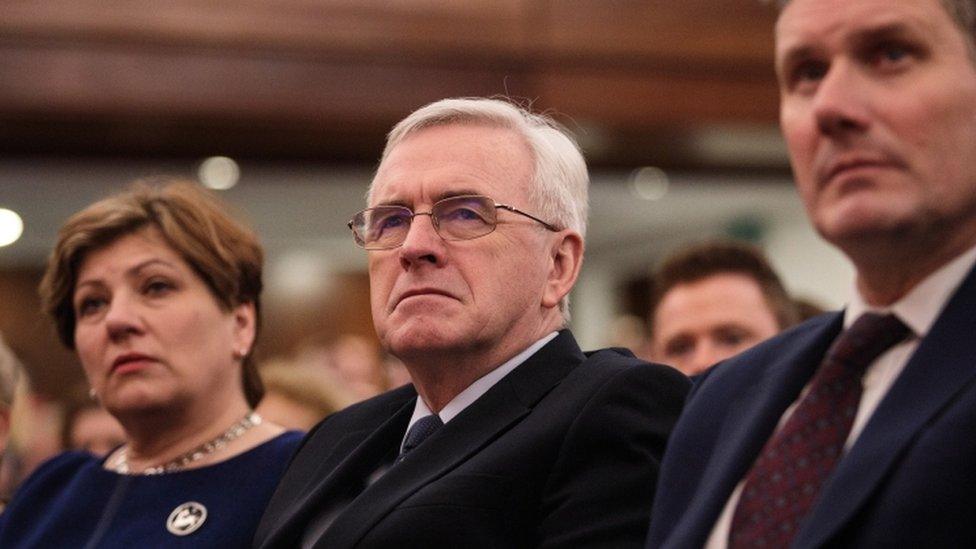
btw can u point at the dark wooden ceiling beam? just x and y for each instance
(328, 70)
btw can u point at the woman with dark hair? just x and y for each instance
(157, 290)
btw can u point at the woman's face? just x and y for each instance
(150, 334)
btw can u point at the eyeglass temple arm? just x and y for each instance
(513, 209)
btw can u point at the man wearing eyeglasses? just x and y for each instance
(510, 435)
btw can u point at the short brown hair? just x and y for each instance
(704, 260)
(225, 254)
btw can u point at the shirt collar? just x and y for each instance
(474, 391)
(919, 308)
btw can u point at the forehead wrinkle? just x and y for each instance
(447, 193)
(492, 159)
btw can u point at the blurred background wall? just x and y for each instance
(674, 103)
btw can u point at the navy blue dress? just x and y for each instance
(71, 501)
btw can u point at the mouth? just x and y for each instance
(846, 166)
(130, 362)
(422, 292)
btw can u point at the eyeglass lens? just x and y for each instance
(456, 218)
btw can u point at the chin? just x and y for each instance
(863, 217)
(421, 338)
(138, 400)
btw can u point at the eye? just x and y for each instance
(89, 305)
(891, 55)
(807, 74)
(392, 221)
(378, 223)
(460, 213)
(158, 287)
(679, 347)
(732, 337)
(463, 211)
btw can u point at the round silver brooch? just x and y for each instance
(186, 518)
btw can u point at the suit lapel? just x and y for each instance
(356, 456)
(479, 424)
(750, 420)
(941, 367)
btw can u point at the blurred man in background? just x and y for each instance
(714, 300)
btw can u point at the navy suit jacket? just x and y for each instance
(909, 480)
(563, 451)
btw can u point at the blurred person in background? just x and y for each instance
(714, 300)
(11, 373)
(89, 427)
(355, 361)
(396, 371)
(299, 395)
(158, 291)
(808, 308)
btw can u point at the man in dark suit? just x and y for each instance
(855, 429)
(510, 435)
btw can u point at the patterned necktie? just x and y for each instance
(787, 476)
(419, 431)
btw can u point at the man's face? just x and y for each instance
(700, 323)
(878, 107)
(432, 296)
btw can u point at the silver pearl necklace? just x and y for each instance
(120, 464)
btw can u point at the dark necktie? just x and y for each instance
(419, 431)
(794, 464)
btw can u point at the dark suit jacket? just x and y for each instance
(909, 480)
(563, 451)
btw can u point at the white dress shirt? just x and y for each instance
(918, 309)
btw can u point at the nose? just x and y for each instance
(422, 243)
(705, 355)
(122, 319)
(838, 104)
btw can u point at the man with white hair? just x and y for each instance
(510, 435)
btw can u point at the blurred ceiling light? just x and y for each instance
(11, 227)
(649, 183)
(219, 173)
(298, 274)
(741, 145)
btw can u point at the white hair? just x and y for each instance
(560, 184)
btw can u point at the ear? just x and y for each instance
(566, 257)
(4, 427)
(245, 327)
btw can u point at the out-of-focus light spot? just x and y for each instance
(11, 227)
(298, 274)
(649, 183)
(219, 173)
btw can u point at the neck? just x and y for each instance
(440, 377)
(887, 271)
(162, 435)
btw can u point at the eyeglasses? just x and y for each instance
(455, 218)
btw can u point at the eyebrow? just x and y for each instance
(882, 33)
(862, 37)
(132, 271)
